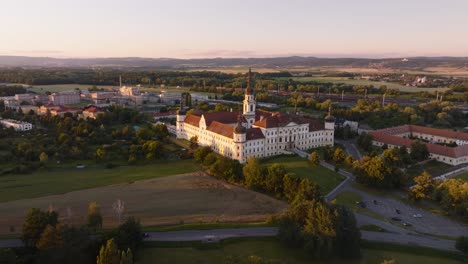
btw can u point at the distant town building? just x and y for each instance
(129, 91)
(434, 138)
(91, 112)
(16, 125)
(59, 110)
(170, 98)
(65, 98)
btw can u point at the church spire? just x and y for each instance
(249, 89)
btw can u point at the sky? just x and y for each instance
(233, 28)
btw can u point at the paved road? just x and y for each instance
(350, 147)
(219, 234)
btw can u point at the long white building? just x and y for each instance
(16, 125)
(254, 133)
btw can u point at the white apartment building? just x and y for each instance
(65, 98)
(16, 125)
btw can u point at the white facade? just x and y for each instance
(65, 98)
(256, 133)
(15, 124)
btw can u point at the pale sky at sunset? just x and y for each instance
(237, 28)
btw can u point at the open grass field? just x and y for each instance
(435, 168)
(59, 181)
(271, 250)
(463, 176)
(324, 177)
(42, 89)
(346, 80)
(185, 198)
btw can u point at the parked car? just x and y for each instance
(417, 215)
(375, 202)
(407, 224)
(397, 211)
(362, 204)
(396, 219)
(145, 235)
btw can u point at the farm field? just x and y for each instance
(366, 82)
(185, 198)
(63, 180)
(271, 250)
(324, 177)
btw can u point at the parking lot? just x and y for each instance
(427, 223)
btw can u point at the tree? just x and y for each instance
(43, 157)
(94, 216)
(50, 239)
(118, 207)
(7, 256)
(194, 142)
(253, 176)
(126, 257)
(462, 244)
(365, 141)
(152, 149)
(201, 152)
(339, 155)
(274, 179)
(419, 151)
(35, 223)
(144, 134)
(109, 254)
(129, 234)
(423, 188)
(314, 158)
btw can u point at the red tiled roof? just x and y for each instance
(66, 109)
(315, 125)
(439, 132)
(424, 130)
(168, 113)
(221, 117)
(254, 133)
(454, 152)
(193, 120)
(283, 119)
(221, 129)
(92, 109)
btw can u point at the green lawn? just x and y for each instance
(435, 168)
(58, 181)
(271, 250)
(463, 176)
(324, 177)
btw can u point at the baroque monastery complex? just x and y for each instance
(254, 133)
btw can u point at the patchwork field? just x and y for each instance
(187, 198)
(324, 177)
(271, 250)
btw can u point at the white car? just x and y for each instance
(417, 215)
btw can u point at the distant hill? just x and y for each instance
(279, 62)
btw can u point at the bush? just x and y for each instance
(462, 244)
